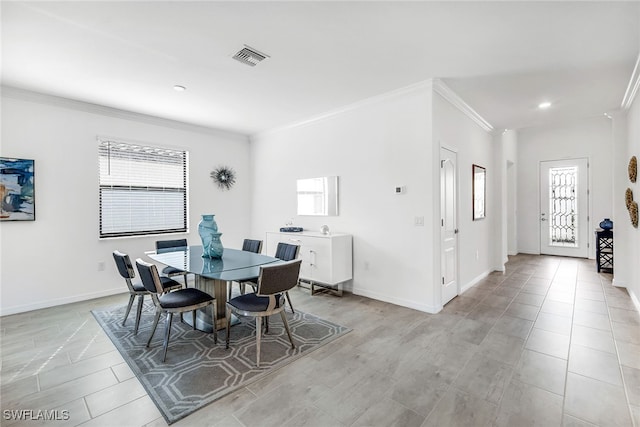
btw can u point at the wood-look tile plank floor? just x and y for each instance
(550, 342)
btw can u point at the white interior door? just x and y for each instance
(449, 225)
(564, 206)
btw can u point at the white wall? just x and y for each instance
(54, 260)
(590, 138)
(478, 241)
(627, 238)
(374, 146)
(622, 265)
(510, 141)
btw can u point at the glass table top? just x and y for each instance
(234, 265)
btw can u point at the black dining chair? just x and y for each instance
(274, 281)
(180, 301)
(249, 245)
(284, 252)
(287, 252)
(166, 245)
(125, 268)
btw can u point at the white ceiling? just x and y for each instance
(502, 58)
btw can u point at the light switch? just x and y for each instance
(419, 221)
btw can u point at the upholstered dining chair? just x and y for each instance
(273, 282)
(287, 252)
(248, 245)
(180, 301)
(136, 288)
(284, 252)
(169, 244)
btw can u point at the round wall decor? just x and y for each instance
(224, 177)
(633, 169)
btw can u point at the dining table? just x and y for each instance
(213, 275)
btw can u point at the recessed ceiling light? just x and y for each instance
(544, 105)
(179, 88)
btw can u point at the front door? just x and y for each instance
(449, 225)
(564, 218)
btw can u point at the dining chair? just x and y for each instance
(164, 245)
(123, 262)
(180, 301)
(254, 246)
(274, 281)
(287, 252)
(284, 252)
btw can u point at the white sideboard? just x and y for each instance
(326, 258)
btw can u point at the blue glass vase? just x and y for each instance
(606, 224)
(211, 243)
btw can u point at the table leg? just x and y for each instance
(218, 289)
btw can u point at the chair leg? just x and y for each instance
(155, 325)
(286, 327)
(138, 313)
(193, 314)
(126, 314)
(286, 294)
(258, 339)
(167, 334)
(228, 318)
(214, 330)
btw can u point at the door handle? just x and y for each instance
(543, 219)
(455, 231)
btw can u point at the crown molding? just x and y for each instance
(632, 87)
(87, 107)
(447, 93)
(426, 84)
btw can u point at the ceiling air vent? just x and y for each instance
(249, 56)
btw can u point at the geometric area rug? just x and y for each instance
(197, 371)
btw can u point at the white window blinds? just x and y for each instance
(143, 189)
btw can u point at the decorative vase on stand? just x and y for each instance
(606, 224)
(211, 243)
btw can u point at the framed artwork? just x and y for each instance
(479, 186)
(17, 202)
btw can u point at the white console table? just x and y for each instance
(327, 259)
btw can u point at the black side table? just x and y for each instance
(604, 250)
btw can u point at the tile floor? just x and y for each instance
(548, 343)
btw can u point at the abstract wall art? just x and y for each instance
(17, 202)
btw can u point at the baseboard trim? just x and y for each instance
(473, 282)
(635, 300)
(397, 301)
(618, 283)
(7, 311)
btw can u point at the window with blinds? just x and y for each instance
(143, 189)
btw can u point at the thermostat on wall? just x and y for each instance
(400, 189)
